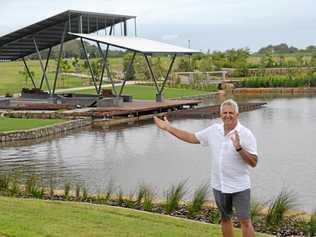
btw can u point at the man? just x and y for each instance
(234, 151)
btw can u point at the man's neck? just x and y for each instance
(229, 127)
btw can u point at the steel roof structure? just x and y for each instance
(137, 44)
(53, 31)
(48, 33)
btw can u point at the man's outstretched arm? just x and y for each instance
(181, 134)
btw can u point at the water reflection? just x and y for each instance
(133, 154)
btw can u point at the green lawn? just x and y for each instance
(12, 81)
(32, 218)
(13, 124)
(149, 92)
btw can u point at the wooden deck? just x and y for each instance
(137, 108)
(211, 111)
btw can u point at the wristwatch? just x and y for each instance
(239, 149)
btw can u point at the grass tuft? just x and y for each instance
(285, 201)
(312, 224)
(174, 195)
(199, 198)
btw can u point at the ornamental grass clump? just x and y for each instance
(77, 191)
(84, 193)
(109, 190)
(285, 201)
(33, 187)
(174, 195)
(140, 194)
(149, 196)
(4, 182)
(312, 224)
(120, 197)
(15, 185)
(67, 188)
(199, 198)
(214, 215)
(256, 210)
(51, 188)
(130, 200)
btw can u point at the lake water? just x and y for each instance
(141, 153)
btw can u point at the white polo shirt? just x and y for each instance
(230, 173)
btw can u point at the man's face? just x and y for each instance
(229, 115)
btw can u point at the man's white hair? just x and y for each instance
(231, 103)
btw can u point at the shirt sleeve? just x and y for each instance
(203, 136)
(250, 144)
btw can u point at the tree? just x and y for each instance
(218, 59)
(267, 58)
(184, 65)
(313, 60)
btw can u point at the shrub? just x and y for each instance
(174, 195)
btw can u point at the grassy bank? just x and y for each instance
(26, 217)
(149, 92)
(15, 124)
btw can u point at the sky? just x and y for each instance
(213, 25)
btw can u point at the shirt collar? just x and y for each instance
(236, 128)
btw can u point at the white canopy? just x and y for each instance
(137, 44)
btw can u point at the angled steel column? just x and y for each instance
(46, 64)
(169, 70)
(90, 68)
(152, 74)
(127, 72)
(108, 71)
(42, 66)
(28, 71)
(80, 25)
(125, 28)
(105, 66)
(135, 30)
(60, 56)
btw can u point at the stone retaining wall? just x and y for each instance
(44, 131)
(276, 90)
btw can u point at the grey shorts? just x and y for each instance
(240, 201)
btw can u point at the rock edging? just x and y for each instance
(44, 131)
(275, 90)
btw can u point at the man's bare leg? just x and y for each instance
(247, 228)
(227, 228)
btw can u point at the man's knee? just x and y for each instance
(226, 221)
(246, 223)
